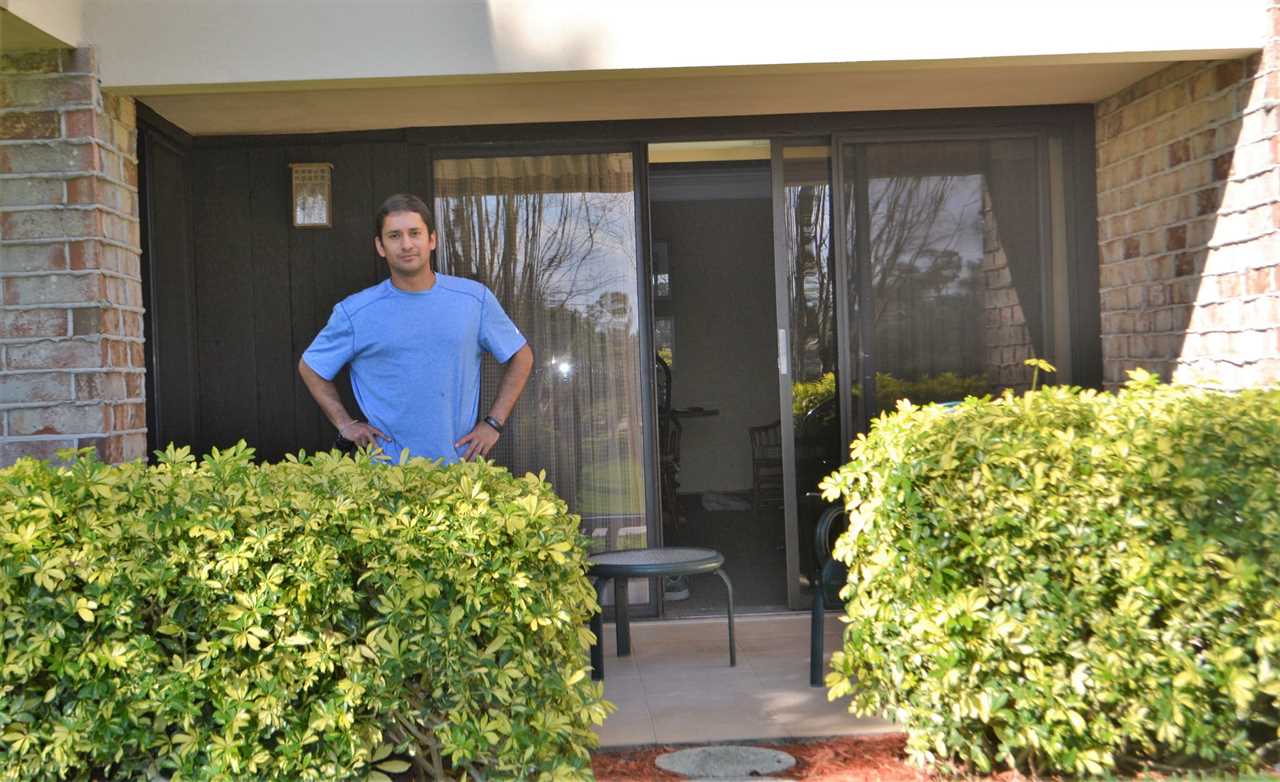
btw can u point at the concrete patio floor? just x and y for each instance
(677, 687)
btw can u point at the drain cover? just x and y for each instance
(725, 762)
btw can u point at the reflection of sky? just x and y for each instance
(957, 228)
(598, 240)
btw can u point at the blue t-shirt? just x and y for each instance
(415, 359)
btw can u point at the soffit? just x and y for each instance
(380, 104)
(17, 34)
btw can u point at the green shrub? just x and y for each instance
(1068, 581)
(808, 394)
(322, 618)
(942, 387)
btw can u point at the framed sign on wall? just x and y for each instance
(312, 195)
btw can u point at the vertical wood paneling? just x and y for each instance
(346, 263)
(306, 317)
(269, 199)
(170, 303)
(389, 175)
(226, 347)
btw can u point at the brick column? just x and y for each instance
(71, 353)
(1189, 223)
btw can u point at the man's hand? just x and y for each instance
(326, 395)
(362, 434)
(479, 441)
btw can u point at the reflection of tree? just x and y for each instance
(911, 244)
(925, 292)
(535, 249)
(563, 266)
(812, 291)
(915, 223)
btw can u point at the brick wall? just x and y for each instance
(1007, 338)
(1188, 212)
(71, 350)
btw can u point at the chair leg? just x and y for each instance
(816, 629)
(622, 615)
(728, 586)
(597, 628)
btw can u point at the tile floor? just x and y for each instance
(677, 686)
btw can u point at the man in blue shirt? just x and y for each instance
(414, 345)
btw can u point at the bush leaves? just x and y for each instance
(1068, 581)
(218, 619)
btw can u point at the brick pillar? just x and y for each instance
(1189, 222)
(72, 371)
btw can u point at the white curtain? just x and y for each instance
(553, 237)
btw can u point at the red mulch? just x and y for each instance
(842, 759)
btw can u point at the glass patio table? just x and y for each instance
(620, 566)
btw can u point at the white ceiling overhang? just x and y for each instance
(264, 108)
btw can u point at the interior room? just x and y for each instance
(714, 328)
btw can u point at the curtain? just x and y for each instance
(553, 237)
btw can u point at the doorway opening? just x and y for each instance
(715, 338)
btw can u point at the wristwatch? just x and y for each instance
(494, 423)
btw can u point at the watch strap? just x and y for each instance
(494, 423)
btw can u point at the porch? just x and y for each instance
(676, 687)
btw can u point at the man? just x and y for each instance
(414, 344)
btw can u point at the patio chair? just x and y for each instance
(669, 432)
(829, 576)
(766, 464)
(662, 378)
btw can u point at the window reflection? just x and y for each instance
(553, 237)
(950, 267)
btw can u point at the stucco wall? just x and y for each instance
(149, 42)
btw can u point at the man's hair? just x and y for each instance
(403, 202)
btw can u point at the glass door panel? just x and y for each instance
(808, 350)
(949, 263)
(554, 237)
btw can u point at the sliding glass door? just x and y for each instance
(922, 269)
(808, 316)
(554, 237)
(951, 265)
(906, 269)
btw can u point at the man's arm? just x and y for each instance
(326, 395)
(482, 437)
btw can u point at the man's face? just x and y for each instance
(405, 243)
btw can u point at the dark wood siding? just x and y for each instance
(265, 288)
(169, 272)
(226, 313)
(241, 293)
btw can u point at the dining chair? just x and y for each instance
(766, 465)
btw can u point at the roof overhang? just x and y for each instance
(648, 94)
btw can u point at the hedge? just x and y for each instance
(1068, 581)
(321, 618)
